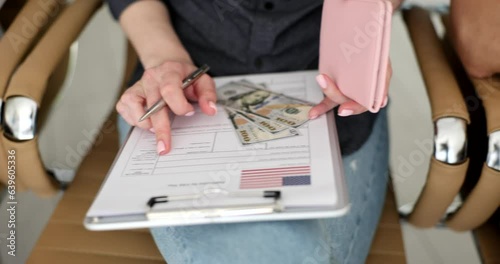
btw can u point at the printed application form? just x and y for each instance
(206, 154)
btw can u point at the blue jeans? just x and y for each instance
(345, 239)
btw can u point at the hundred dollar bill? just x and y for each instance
(264, 86)
(264, 123)
(251, 84)
(249, 133)
(274, 106)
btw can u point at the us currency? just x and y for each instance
(249, 133)
(264, 103)
(264, 123)
(251, 84)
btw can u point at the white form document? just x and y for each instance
(206, 154)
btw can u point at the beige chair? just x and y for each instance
(445, 81)
(33, 50)
(64, 239)
(446, 176)
(15, 45)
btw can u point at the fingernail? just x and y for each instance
(160, 147)
(190, 113)
(321, 81)
(346, 112)
(213, 106)
(152, 130)
(384, 103)
(313, 117)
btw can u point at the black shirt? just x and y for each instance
(255, 36)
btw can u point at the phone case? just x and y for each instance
(354, 48)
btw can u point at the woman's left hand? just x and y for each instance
(334, 97)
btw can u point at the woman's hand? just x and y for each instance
(164, 82)
(334, 97)
(147, 25)
(476, 35)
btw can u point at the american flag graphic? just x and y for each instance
(275, 177)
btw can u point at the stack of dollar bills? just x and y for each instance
(259, 114)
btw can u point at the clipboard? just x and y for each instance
(232, 204)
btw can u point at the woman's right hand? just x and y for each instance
(163, 82)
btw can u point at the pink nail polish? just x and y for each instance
(152, 130)
(313, 117)
(160, 147)
(190, 113)
(321, 81)
(346, 112)
(213, 106)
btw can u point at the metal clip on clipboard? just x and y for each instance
(273, 206)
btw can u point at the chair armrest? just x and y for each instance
(16, 42)
(22, 34)
(442, 88)
(444, 178)
(30, 79)
(27, 87)
(484, 199)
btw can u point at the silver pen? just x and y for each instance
(185, 83)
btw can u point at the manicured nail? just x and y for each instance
(190, 113)
(384, 103)
(321, 81)
(346, 112)
(313, 117)
(160, 148)
(213, 106)
(152, 130)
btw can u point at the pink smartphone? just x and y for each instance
(354, 48)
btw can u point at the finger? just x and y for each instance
(171, 91)
(122, 110)
(388, 77)
(205, 89)
(190, 94)
(135, 101)
(183, 70)
(169, 85)
(160, 120)
(321, 108)
(384, 103)
(131, 105)
(161, 127)
(330, 89)
(350, 108)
